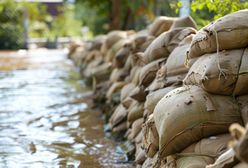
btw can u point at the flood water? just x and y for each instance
(45, 115)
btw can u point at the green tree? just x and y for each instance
(205, 11)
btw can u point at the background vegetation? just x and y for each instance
(93, 17)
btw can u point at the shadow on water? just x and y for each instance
(45, 114)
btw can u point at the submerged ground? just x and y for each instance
(45, 115)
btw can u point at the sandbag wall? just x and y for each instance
(171, 91)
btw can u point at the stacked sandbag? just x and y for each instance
(228, 32)
(173, 92)
(237, 155)
(213, 96)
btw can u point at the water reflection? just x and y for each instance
(45, 118)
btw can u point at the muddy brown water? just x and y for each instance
(45, 115)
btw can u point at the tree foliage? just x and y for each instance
(205, 11)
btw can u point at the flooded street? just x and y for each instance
(45, 115)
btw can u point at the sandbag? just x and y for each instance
(134, 74)
(118, 75)
(241, 145)
(140, 156)
(120, 127)
(79, 55)
(127, 102)
(148, 163)
(213, 146)
(188, 114)
(148, 72)
(97, 42)
(119, 115)
(115, 87)
(231, 32)
(94, 63)
(150, 137)
(91, 56)
(138, 93)
(242, 82)
(126, 90)
(160, 25)
(128, 64)
(206, 72)
(146, 44)
(243, 103)
(226, 160)
(175, 62)
(186, 21)
(159, 81)
(193, 162)
(154, 97)
(164, 44)
(121, 56)
(114, 49)
(101, 72)
(136, 128)
(114, 36)
(135, 111)
(138, 138)
(241, 165)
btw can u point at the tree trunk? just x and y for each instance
(115, 16)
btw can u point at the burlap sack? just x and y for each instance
(241, 144)
(138, 138)
(175, 62)
(118, 75)
(114, 36)
(138, 93)
(148, 163)
(140, 155)
(79, 55)
(97, 42)
(94, 63)
(188, 114)
(193, 162)
(228, 32)
(136, 128)
(159, 81)
(154, 97)
(242, 82)
(114, 49)
(150, 137)
(128, 64)
(126, 90)
(241, 165)
(121, 56)
(119, 115)
(120, 127)
(91, 56)
(243, 104)
(115, 87)
(135, 111)
(127, 102)
(100, 73)
(134, 75)
(160, 25)
(226, 160)
(186, 21)
(219, 74)
(213, 146)
(164, 44)
(146, 44)
(148, 72)
(72, 48)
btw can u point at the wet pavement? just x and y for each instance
(45, 115)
